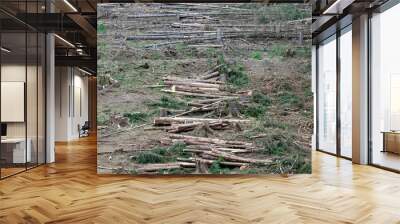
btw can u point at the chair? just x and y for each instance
(84, 130)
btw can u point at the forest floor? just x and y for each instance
(151, 59)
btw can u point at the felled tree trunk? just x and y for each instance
(170, 120)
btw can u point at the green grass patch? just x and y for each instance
(103, 80)
(149, 157)
(237, 76)
(216, 168)
(304, 52)
(211, 53)
(177, 149)
(303, 167)
(181, 47)
(273, 123)
(260, 98)
(168, 102)
(278, 50)
(254, 110)
(276, 147)
(102, 119)
(235, 73)
(259, 106)
(162, 154)
(184, 50)
(288, 98)
(295, 163)
(278, 143)
(256, 55)
(101, 28)
(280, 12)
(293, 12)
(136, 117)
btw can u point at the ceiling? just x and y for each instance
(74, 22)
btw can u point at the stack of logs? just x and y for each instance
(206, 151)
(211, 89)
(184, 124)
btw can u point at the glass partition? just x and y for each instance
(22, 101)
(385, 89)
(327, 95)
(346, 92)
(14, 145)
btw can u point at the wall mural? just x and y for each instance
(204, 89)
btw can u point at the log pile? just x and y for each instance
(209, 93)
(210, 84)
(184, 124)
(206, 151)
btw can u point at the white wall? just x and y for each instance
(70, 83)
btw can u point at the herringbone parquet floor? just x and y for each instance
(70, 191)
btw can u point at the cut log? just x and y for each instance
(191, 83)
(194, 104)
(208, 161)
(185, 80)
(258, 136)
(207, 101)
(155, 86)
(170, 120)
(157, 128)
(201, 90)
(212, 70)
(211, 75)
(194, 84)
(207, 45)
(216, 141)
(193, 150)
(191, 94)
(208, 107)
(231, 157)
(208, 147)
(195, 89)
(176, 128)
(164, 166)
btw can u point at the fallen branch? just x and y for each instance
(170, 120)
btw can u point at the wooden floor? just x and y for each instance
(386, 159)
(70, 191)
